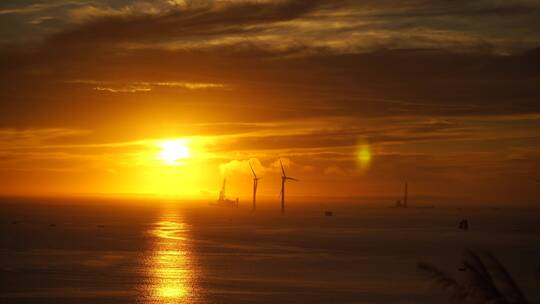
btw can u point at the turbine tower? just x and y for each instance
(405, 197)
(222, 192)
(284, 178)
(255, 182)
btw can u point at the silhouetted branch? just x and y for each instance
(483, 281)
(499, 271)
(443, 279)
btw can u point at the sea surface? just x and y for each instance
(152, 251)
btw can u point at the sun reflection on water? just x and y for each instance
(170, 267)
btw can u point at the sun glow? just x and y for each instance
(174, 150)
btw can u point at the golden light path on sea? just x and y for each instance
(170, 267)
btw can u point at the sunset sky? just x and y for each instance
(356, 97)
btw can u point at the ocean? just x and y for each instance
(151, 251)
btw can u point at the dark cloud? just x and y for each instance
(196, 23)
(367, 25)
(421, 8)
(384, 83)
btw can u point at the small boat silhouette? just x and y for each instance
(463, 224)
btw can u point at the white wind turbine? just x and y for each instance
(284, 178)
(255, 182)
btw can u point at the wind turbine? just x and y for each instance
(284, 178)
(405, 197)
(255, 182)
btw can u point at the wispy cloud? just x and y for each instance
(91, 12)
(334, 170)
(14, 138)
(143, 86)
(342, 26)
(40, 20)
(38, 7)
(126, 89)
(236, 166)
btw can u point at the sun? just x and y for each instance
(174, 150)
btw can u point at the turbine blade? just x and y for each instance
(282, 170)
(292, 178)
(255, 175)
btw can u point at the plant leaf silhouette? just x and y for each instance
(511, 288)
(457, 290)
(483, 282)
